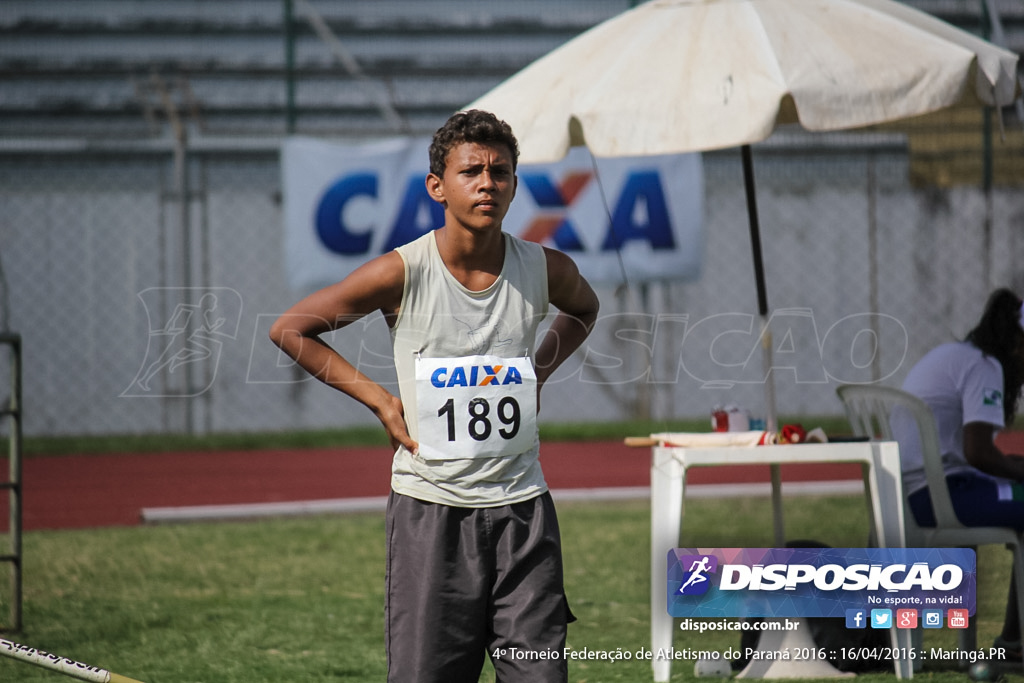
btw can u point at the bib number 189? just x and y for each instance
(475, 407)
(478, 423)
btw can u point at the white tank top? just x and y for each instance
(440, 318)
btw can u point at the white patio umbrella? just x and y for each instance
(688, 75)
(673, 76)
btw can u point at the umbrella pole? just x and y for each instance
(766, 336)
(755, 230)
(762, 294)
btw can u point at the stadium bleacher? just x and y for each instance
(94, 67)
(100, 68)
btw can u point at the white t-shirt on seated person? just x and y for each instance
(961, 385)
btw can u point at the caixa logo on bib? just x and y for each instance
(475, 376)
(815, 582)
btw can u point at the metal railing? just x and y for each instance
(12, 411)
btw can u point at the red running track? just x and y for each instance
(67, 492)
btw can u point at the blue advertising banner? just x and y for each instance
(345, 204)
(818, 582)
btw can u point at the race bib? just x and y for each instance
(475, 407)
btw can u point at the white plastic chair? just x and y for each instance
(870, 410)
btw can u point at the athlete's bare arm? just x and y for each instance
(375, 286)
(577, 306)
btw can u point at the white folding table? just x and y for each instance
(880, 462)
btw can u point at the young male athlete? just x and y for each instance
(474, 561)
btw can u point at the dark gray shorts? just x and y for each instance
(462, 582)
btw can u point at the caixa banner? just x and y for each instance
(346, 203)
(817, 582)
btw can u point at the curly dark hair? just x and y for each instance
(470, 126)
(999, 334)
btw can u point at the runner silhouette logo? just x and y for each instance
(698, 567)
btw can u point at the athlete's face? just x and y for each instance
(478, 185)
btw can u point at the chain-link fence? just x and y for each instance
(141, 237)
(146, 309)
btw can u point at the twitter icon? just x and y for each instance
(881, 618)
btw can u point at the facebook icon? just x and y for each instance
(856, 618)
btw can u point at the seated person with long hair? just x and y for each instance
(972, 388)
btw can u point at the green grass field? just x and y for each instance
(301, 599)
